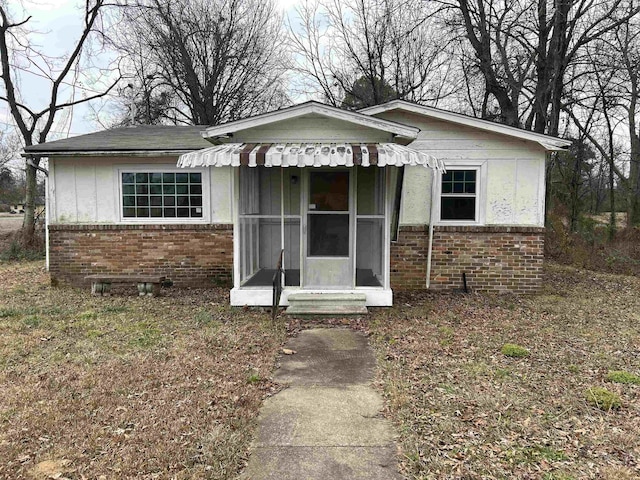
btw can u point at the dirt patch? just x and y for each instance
(127, 386)
(466, 410)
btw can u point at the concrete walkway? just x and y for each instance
(327, 425)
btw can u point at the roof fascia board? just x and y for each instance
(546, 141)
(110, 153)
(308, 108)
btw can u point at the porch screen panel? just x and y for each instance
(370, 227)
(261, 194)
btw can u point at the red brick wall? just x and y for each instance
(196, 255)
(495, 259)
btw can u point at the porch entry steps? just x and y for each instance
(327, 304)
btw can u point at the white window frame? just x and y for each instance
(206, 198)
(480, 168)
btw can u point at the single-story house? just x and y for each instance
(396, 196)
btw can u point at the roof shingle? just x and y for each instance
(140, 138)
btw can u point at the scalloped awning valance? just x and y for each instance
(308, 155)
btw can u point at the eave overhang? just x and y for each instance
(547, 142)
(226, 130)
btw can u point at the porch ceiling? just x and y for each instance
(308, 155)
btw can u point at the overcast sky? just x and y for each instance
(60, 24)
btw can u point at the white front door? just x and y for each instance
(328, 229)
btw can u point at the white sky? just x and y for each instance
(59, 23)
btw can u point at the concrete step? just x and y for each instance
(327, 304)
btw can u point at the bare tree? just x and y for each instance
(35, 125)
(204, 62)
(524, 50)
(611, 88)
(369, 51)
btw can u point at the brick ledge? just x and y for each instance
(473, 228)
(164, 227)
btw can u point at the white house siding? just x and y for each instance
(315, 129)
(87, 190)
(514, 189)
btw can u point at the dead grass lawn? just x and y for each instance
(127, 387)
(465, 410)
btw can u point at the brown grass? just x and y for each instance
(127, 387)
(464, 410)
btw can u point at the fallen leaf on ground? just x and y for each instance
(288, 351)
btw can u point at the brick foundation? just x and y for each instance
(495, 259)
(190, 255)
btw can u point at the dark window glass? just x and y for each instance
(145, 195)
(169, 177)
(458, 200)
(329, 191)
(458, 208)
(329, 235)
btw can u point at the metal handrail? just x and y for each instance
(277, 286)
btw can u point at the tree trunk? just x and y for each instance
(633, 206)
(28, 224)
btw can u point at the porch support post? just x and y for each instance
(282, 220)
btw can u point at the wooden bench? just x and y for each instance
(147, 284)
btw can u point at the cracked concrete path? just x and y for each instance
(328, 423)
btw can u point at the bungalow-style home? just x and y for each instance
(396, 196)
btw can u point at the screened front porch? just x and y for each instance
(331, 224)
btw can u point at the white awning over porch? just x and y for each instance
(309, 155)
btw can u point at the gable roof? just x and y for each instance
(546, 141)
(140, 139)
(309, 108)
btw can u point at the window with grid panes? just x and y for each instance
(458, 195)
(161, 195)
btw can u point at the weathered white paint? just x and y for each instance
(318, 112)
(312, 130)
(87, 190)
(545, 141)
(261, 296)
(415, 196)
(513, 183)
